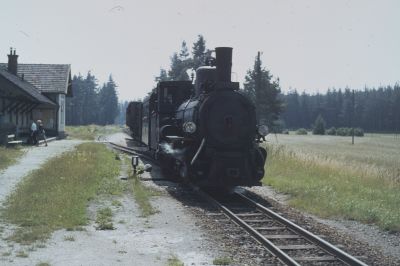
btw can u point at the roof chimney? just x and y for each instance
(12, 62)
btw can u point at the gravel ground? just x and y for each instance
(240, 247)
(136, 240)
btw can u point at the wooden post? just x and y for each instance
(352, 118)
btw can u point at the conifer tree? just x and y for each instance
(90, 100)
(199, 52)
(163, 76)
(108, 102)
(319, 126)
(89, 104)
(180, 63)
(264, 92)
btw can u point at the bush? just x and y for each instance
(359, 132)
(278, 126)
(319, 126)
(343, 131)
(346, 131)
(301, 131)
(331, 131)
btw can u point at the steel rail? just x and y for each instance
(131, 151)
(282, 256)
(340, 254)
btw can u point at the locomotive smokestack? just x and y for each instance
(224, 63)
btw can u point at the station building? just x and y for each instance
(31, 92)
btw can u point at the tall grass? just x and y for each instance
(90, 132)
(8, 156)
(56, 195)
(332, 179)
(376, 155)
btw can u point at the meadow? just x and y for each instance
(329, 177)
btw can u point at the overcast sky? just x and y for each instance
(309, 45)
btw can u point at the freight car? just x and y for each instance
(204, 132)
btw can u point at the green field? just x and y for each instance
(329, 177)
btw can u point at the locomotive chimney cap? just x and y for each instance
(223, 56)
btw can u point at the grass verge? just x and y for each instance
(174, 261)
(222, 261)
(8, 156)
(56, 195)
(329, 190)
(142, 195)
(90, 132)
(104, 219)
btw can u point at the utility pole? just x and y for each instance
(352, 117)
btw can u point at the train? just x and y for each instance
(204, 131)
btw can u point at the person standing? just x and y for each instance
(34, 133)
(42, 133)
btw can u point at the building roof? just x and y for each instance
(26, 87)
(47, 78)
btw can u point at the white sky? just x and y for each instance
(309, 45)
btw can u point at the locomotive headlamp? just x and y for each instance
(135, 163)
(189, 127)
(263, 130)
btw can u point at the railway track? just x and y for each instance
(290, 243)
(133, 151)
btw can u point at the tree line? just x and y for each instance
(372, 109)
(91, 103)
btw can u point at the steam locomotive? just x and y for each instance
(204, 132)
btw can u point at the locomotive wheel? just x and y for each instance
(168, 169)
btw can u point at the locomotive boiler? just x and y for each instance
(204, 132)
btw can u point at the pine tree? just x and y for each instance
(163, 76)
(319, 126)
(184, 53)
(74, 104)
(108, 103)
(199, 52)
(264, 93)
(178, 69)
(90, 100)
